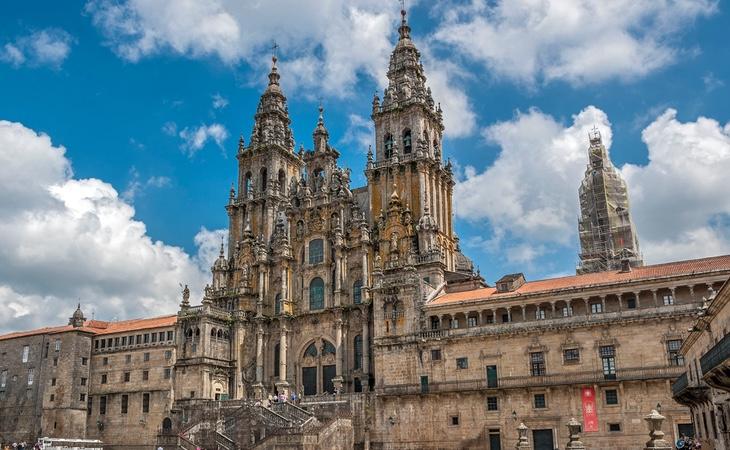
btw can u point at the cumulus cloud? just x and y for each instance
(64, 239)
(195, 139)
(581, 41)
(326, 49)
(680, 202)
(359, 133)
(136, 186)
(48, 47)
(219, 102)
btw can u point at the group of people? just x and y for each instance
(279, 398)
(22, 446)
(688, 443)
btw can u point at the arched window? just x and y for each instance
(277, 304)
(316, 294)
(316, 251)
(388, 145)
(219, 335)
(212, 332)
(282, 182)
(357, 292)
(358, 352)
(189, 333)
(276, 360)
(328, 348)
(197, 332)
(407, 147)
(247, 185)
(311, 350)
(264, 178)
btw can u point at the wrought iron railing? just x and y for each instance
(680, 384)
(717, 355)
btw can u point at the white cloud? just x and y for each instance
(581, 41)
(48, 47)
(359, 133)
(63, 239)
(711, 82)
(136, 186)
(195, 139)
(680, 201)
(219, 102)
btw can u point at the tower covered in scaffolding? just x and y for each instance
(607, 235)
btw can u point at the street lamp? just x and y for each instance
(514, 415)
(659, 407)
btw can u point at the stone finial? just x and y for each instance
(574, 442)
(522, 442)
(656, 435)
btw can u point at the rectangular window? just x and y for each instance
(103, 379)
(608, 361)
(154, 337)
(539, 401)
(471, 321)
(614, 427)
(168, 373)
(505, 318)
(89, 405)
(83, 381)
(116, 342)
(124, 341)
(139, 339)
(55, 362)
(170, 336)
(109, 342)
(127, 377)
(145, 403)
(596, 308)
(462, 363)
(571, 356)
(631, 303)
(96, 345)
(82, 397)
(3, 378)
(454, 323)
(105, 361)
(162, 335)
(102, 405)
(26, 353)
(539, 314)
(611, 397)
(316, 251)
(84, 361)
(53, 381)
(57, 345)
(537, 364)
(436, 354)
(103, 344)
(127, 359)
(567, 311)
(53, 397)
(146, 356)
(492, 380)
(454, 420)
(145, 375)
(668, 299)
(31, 375)
(125, 403)
(675, 358)
(168, 354)
(146, 339)
(492, 404)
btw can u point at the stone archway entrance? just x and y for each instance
(319, 368)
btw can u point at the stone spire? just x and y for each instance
(607, 234)
(406, 78)
(321, 135)
(272, 122)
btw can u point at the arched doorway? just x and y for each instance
(166, 425)
(319, 368)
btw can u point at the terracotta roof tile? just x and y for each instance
(703, 265)
(99, 327)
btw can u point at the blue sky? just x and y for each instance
(127, 86)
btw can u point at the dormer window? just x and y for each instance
(407, 147)
(388, 146)
(510, 283)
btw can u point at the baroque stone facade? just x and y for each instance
(360, 302)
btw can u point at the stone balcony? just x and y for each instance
(688, 392)
(716, 365)
(518, 382)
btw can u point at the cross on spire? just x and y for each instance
(274, 49)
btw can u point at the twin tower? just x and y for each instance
(318, 273)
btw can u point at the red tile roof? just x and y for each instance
(99, 327)
(679, 268)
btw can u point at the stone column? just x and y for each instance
(338, 276)
(637, 296)
(574, 442)
(509, 314)
(284, 306)
(620, 302)
(424, 191)
(522, 442)
(260, 299)
(552, 307)
(259, 387)
(282, 385)
(365, 274)
(524, 318)
(365, 344)
(674, 296)
(603, 303)
(656, 303)
(692, 292)
(656, 435)
(338, 380)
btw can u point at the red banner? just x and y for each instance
(590, 415)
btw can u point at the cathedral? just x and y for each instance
(356, 305)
